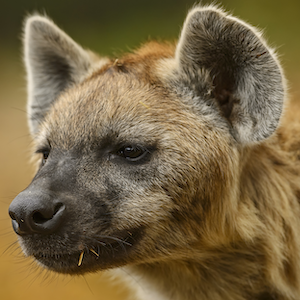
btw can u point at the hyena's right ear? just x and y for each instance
(53, 62)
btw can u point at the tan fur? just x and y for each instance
(250, 226)
(220, 215)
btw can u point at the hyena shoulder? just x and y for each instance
(173, 161)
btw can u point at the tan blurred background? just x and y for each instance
(106, 27)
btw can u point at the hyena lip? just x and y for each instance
(102, 255)
(79, 262)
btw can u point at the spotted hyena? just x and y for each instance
(172, 161)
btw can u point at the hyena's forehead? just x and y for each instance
(113, 102)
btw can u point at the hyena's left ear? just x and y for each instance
(245, 77)
(53, 62)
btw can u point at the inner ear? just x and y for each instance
(53, 62)
(245, 78)
(223, 65)
(223, 93)
(59, 68)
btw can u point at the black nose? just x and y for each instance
(36, 213)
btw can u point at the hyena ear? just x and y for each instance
(53, 62)
(245, 78)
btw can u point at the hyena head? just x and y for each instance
(139, 156)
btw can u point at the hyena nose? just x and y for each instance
(36, 214)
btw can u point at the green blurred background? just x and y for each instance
(106, 27)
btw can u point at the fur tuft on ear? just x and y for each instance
(53, 62)
(248, 84)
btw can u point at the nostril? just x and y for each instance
(12, 215)
(41, 217)
(38, 218)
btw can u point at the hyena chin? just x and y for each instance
(172, 161)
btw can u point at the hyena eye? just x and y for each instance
(45, 156)
(45, 153)
(132, 153)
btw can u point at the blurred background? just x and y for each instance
(106, 27)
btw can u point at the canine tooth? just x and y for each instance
(80, 259)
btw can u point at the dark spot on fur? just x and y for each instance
(121, 68)
(186, 216)
(177, 215)
(167, 192)
(117, 67)
(266, 296)
(201, 203)
(290, 273)
(298, 195)
(277, 161)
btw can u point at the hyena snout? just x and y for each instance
(35, 212)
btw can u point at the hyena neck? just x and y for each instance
(216, 278)
(269, 186)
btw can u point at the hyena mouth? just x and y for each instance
(110, 251)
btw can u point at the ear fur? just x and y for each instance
(53, 62)
(247, 81)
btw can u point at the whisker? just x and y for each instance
(97, 241)
(13, 244)
(114, 239)
(88, 285)
(28, 114)
(123, 247)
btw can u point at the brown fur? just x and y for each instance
(217, 212)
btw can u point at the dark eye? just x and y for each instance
(45, 153)
(132, 153)
(45, 156)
